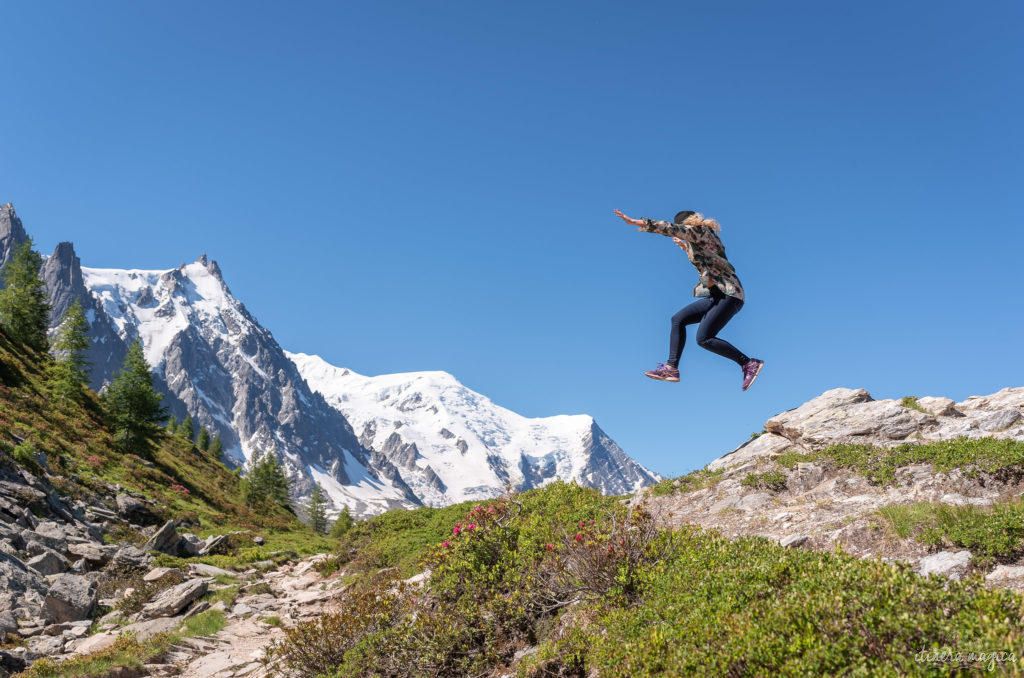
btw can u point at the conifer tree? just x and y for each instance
(133, 403)
(266, 482)
(69, 373)
(216, 448)
(24, 310)
(203, 439)
(187, 428)
(172, 425)
(342, 524)
(316, 507)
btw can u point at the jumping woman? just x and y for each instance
(720, 292)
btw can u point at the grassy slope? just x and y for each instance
(82, 459)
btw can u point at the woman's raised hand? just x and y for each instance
(680, 242)
(630, 220)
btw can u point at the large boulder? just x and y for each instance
(70, 598)
(48, 562)
(131, 556)
(951, 564)
(165, 540)
(173, 600)
(17, 580)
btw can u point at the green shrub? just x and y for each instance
(769, 480)
(996, 531)
(694, 480)
(25, 454)
(989, 455)
(750, 607)
(910, 402)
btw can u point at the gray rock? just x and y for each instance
(131, 556)
(173, 600)
(70, 598)
(241, 609)
(845, 415)
(49, 562)
(999, 421)
(794, 541)
(8, 624)
(18, 580)
(94, 554)
(204, 570)
(190, 544)
(50, 534)
(159, 573)
(46, 645)
(940, 407)
(165, 540)
(948, 563)
(755, 501)
(214, 544)
(765, 446)
(151, 627)
(1007, 576)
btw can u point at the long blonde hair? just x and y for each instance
(697, 219)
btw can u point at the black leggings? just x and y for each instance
(712, 313)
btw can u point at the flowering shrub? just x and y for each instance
(179, 488)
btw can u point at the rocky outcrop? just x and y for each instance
(173, 600)
(70, 598)
(817, 504)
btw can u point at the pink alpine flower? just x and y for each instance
(446, 543)
(549, 547)
(578, 537)
(455, 530)
(471, 526)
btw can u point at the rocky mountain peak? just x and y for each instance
(12, 233)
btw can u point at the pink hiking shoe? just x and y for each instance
(664, 373)
(750, 372)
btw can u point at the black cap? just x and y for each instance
(683, 216)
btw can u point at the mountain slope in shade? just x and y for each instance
(452, 444)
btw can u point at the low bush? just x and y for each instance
(694, 480)
(750, 607)
(1002, 458)
(774, 481)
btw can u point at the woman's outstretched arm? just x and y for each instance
(654, 226)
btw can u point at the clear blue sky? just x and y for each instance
(411, 186)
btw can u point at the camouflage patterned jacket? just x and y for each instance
(706, 253)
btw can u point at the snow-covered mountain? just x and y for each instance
(217, 363)
(229, 373)
(452, 444)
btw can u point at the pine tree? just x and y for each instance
(203, 439)
(216, 448)
(24, 310)
(316, 507)
(133, 403)
(187, 428)
(265, 482)
(69, 373)
(172, 425)
(342, 524)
